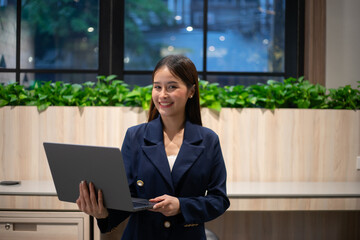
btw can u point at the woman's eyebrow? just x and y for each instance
(171, 82)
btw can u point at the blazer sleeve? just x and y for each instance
(205, 208)
(115, 217)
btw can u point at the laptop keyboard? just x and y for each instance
(138, 203)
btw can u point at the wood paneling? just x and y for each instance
(291, 225)
(284, 145)
(331, 225)
(315, 41)
(294, 204)
(12, 202)
(257, 144)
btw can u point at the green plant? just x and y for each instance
(345, 98)
(211, 95)
(292, 93)
(13, 94)
(139, 96)
(108, 91)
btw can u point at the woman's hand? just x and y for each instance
(167, 205)
(87, 202)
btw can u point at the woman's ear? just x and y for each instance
(192, 91)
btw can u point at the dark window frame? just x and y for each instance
(294, 46)
(111, 44)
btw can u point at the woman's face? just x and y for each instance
(170, 94)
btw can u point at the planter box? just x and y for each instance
(257, 144)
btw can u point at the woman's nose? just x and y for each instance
(163, 93)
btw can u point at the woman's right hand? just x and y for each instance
(87, 202)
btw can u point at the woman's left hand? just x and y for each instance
(167, 205)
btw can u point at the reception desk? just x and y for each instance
(259, 210)
(243, 196)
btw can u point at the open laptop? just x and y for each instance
(103, 166)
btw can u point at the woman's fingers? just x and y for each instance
(93, 200)
(78, 201)
(86, 195)
(89, 203)
(100, 198)
(168, 205)
(81, 200)
(158, 199)
(103, 213)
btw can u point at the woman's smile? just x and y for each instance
(165, 104)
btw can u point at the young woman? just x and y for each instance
(171, 160)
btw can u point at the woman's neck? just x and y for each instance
(173, 126)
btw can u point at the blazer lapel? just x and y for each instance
(189, 152)
(155, 151)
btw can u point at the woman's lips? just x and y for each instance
(165, 104)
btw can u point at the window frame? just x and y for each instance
(294, 46)
(111, 44)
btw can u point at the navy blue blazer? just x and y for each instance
(198, 180)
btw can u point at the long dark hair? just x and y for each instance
(183, 68)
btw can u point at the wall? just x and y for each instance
(257, 144)
(342, 43)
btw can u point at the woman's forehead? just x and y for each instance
(165, 75)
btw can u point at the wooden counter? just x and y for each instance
(244, 196)
(253, 206)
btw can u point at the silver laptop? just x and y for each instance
(71, 163)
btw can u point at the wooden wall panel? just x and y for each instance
(331, 225)
(292, 225)
(294, 204)
(315, 41)
(257, 144)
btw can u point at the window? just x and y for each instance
(230, 41)
(49, 40)
(7, 39)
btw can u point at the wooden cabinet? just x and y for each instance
(44, 225)
(31, 210)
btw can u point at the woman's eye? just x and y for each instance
(172, 87)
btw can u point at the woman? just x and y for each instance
(171, 160)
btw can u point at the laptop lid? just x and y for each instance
(72, 163)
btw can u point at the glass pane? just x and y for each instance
(138, 79)
(154, 29)
(28, 79)
(6, 77)
(246, 35)
(59, 34)
(240, 80)
(8, 34)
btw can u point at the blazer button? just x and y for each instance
(140, 183)
(167, 224)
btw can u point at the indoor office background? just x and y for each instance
(231, 42)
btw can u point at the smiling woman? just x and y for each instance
(191, 187)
